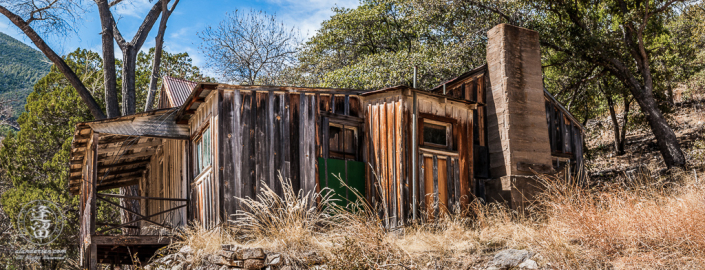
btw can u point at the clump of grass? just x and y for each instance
(644, 223)
(655, 224)
(291, 221)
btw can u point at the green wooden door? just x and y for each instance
(331, 171)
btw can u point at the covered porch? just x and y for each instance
(128, 153)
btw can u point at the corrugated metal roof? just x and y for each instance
(177, 90)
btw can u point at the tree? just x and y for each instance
(59, 16)
(377, 44)
(33, 160)
(609, 90)
(178, 65)
(250, 48)
(50, 16)
(616, 36)
(157, 54)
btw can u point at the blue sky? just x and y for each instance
(190, 17)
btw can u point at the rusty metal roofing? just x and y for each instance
(177, 90)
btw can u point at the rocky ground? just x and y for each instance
(234, 257)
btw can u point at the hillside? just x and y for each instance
(20, 67)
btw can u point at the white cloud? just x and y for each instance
(308, 15)
(134, 8)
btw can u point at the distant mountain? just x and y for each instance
(20, 67)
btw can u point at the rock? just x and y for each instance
(528, 264)
(219, 260)
(508, 258)
(227, 254)
(254, 264)
(274, 260)
(186, 250)
(312, 258)
(249, 253)
(179, 266)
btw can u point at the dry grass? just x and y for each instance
(644, 224)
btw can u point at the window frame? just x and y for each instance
(198, 171)
(346, 122)
(448, 123)
(345, 155)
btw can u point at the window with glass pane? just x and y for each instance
(203, 151)
(342, 142)
(435, 135)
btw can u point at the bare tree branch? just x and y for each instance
(250, 48)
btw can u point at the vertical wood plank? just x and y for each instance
(384, 173)
(399, 158)
(435, 186)
(346, 110)
(295, 142)
(450, 186)
(277, 109)
(249, 114)
(237, 152)
(272, 169)
(421, 181)
(285, 137)
(225, 155)
(262, 141)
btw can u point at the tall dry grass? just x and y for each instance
(647, 223)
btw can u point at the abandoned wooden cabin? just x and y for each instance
(415, 152)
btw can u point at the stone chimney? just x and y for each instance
(516, 116)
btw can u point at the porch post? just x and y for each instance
(93, 176)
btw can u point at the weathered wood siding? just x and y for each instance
(267, 133)
(166, 177)
(388, 177)
(463, 140)
(388, 143)
(204, 189)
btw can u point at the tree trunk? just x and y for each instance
(129, 59)
(111, 99)
(159, 43)
(71, 76)
(615, 124)
(625, 121)
(133, 205)
(665, 137)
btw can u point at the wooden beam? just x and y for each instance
(129, 146)
(125, 156)
(131, 240)
(140, 197)
(118, 184)
(103, 168)
(158, 125)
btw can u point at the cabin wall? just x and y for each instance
(205, 190)
(166, 178)
(388, 155)
(473, 87)
(265, 134)
(388, 144)
(463, 135)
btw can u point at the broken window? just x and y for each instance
(342, 141)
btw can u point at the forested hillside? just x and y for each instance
(20, 67)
